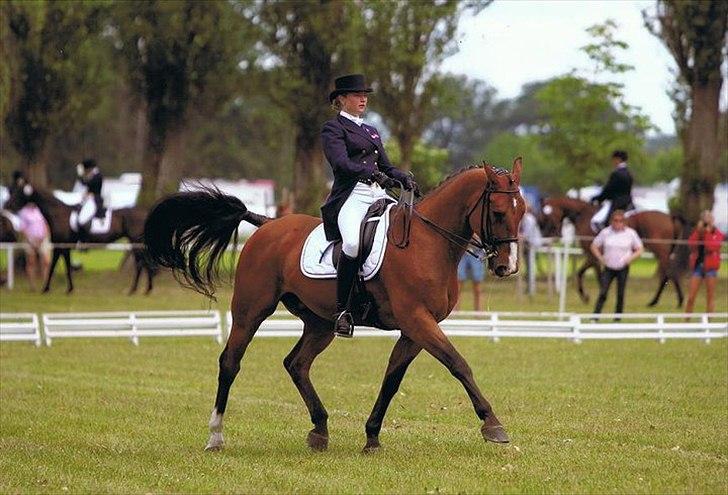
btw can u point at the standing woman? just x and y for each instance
(704, 244)
(361, 173)
(615, 248)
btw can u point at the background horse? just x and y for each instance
(660, 228)
(125, 223)
(415, 288)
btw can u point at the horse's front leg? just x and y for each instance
(404, 352)
(588, 263)
(54, 262)
(69, 270)
(421, 327)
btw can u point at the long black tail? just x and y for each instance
(189, 232)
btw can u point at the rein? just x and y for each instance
(487, 241)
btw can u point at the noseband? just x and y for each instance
(487, 242)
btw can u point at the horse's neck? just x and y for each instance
(449, 205)
(51, 207)
(574, 209)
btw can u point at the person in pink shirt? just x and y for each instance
(615, 248)
(37, 235)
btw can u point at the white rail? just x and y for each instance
(16, 327)
(571, 326)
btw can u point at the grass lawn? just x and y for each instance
(104, 416)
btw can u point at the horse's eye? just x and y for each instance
(499, 216)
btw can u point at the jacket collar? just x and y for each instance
(362, 130)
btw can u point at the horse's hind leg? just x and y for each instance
(54, 262)
(589, 263)
(137, 274)
(69, 270)
(403, 353)
(422, 328)
(251, 305)
(317, 336)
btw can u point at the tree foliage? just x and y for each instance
(405, 42)
(304, 46)
(694, 31)
(178, 55)
(50, 74)
(427, 162)
(583, 121)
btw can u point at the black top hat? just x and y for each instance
(89, 163)
(353, 83)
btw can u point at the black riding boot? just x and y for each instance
(345, 273)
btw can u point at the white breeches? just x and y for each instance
(352, 213)
(88, 210)
(600, 217)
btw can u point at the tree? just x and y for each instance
(694, 31)
(50, 74)
(427, 163)
(583, 121)
(405, 42)
(178, 55)
(467, 117)
(305, 45)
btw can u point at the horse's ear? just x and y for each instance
(490, 173)
(517, 169)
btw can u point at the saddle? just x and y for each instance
(366, 233)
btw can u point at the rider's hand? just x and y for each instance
(410, 185)
(384, 181)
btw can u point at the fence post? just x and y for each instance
(11, 267)
(704, 320)
(134, 336)
(575, 328)
(36, 324)
(45, 331)
(493, 327)
(564, 276)
(661, 331)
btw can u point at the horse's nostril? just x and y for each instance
(501, 270)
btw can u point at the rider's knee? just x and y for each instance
(351, 249)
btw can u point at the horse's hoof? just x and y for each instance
(317, 442)
(494, 433)
(652, 304)
(372, 447)
(215, 443)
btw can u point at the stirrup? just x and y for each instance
(344, 318)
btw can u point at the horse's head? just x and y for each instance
(550, 218)
(496, 222)
(21, 193)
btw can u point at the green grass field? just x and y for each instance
(90, 416)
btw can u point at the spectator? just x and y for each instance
(37, 235)
(473, 269)
(532, 240)
(615, 248)
(704, 243)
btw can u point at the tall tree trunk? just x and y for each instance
(308, 176)
(153, 155)
(702, 151)
(406, 150)
(36, 169)
(172, 167)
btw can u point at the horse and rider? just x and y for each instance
(71, 224)
(659, 230)
(415, 287)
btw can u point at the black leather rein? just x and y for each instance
(487, 242)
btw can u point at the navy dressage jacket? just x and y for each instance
(618, 189)
(354, 153)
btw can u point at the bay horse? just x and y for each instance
(659, 230)
(415, 288)
(125, 223)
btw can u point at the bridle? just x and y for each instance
(487, 241)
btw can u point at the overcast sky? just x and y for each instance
(513, 42)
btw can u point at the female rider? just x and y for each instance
(362, 172)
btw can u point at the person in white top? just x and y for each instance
(615, 248)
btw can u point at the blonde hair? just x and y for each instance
(337, 103)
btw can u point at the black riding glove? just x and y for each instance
(409, 184)
(384, 181)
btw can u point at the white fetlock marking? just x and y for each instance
(215, 423)
(216, 440)
(513, 257)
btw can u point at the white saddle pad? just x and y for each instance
(316, 257)
(98, 225)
